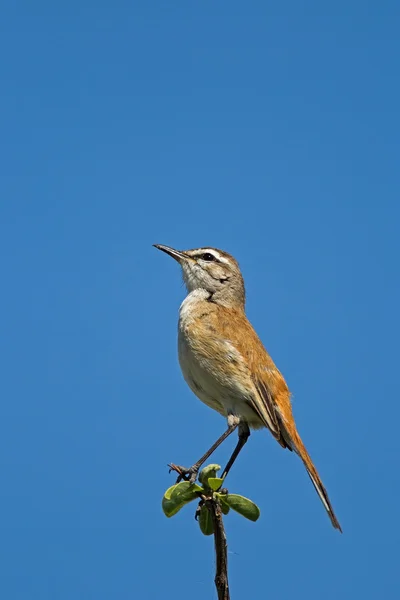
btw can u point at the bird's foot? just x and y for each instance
(183, 473)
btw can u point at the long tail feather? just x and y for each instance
(316, 481)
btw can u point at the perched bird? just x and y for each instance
(226, 365)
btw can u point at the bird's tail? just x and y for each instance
(299, 447)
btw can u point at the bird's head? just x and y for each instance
(212, 270)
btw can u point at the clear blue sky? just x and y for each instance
(270, 130)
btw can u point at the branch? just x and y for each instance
(215, 501)
(221, 550)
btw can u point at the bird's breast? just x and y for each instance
(212, 367)
(194, 338)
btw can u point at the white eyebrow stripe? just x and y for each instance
(216, 254)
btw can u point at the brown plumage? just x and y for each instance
(223, 360)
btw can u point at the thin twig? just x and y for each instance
(220, 543)
(221, 550)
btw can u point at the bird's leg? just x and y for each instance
(244, 434)
(191, 474)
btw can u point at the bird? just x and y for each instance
(225, 364)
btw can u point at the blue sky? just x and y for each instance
(270, 130)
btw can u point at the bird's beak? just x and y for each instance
(176, 254)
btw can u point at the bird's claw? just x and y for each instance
(183, 473)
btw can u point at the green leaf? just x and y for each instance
(170, 508)
(178, 495)
(224, 508)
(184, 491)
(215, 483)
(205, 521)
(223, 503)
(243, 506)
(169, 491)
(207, 472)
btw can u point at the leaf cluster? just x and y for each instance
(210, 489)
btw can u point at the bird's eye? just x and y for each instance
(208, 256)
